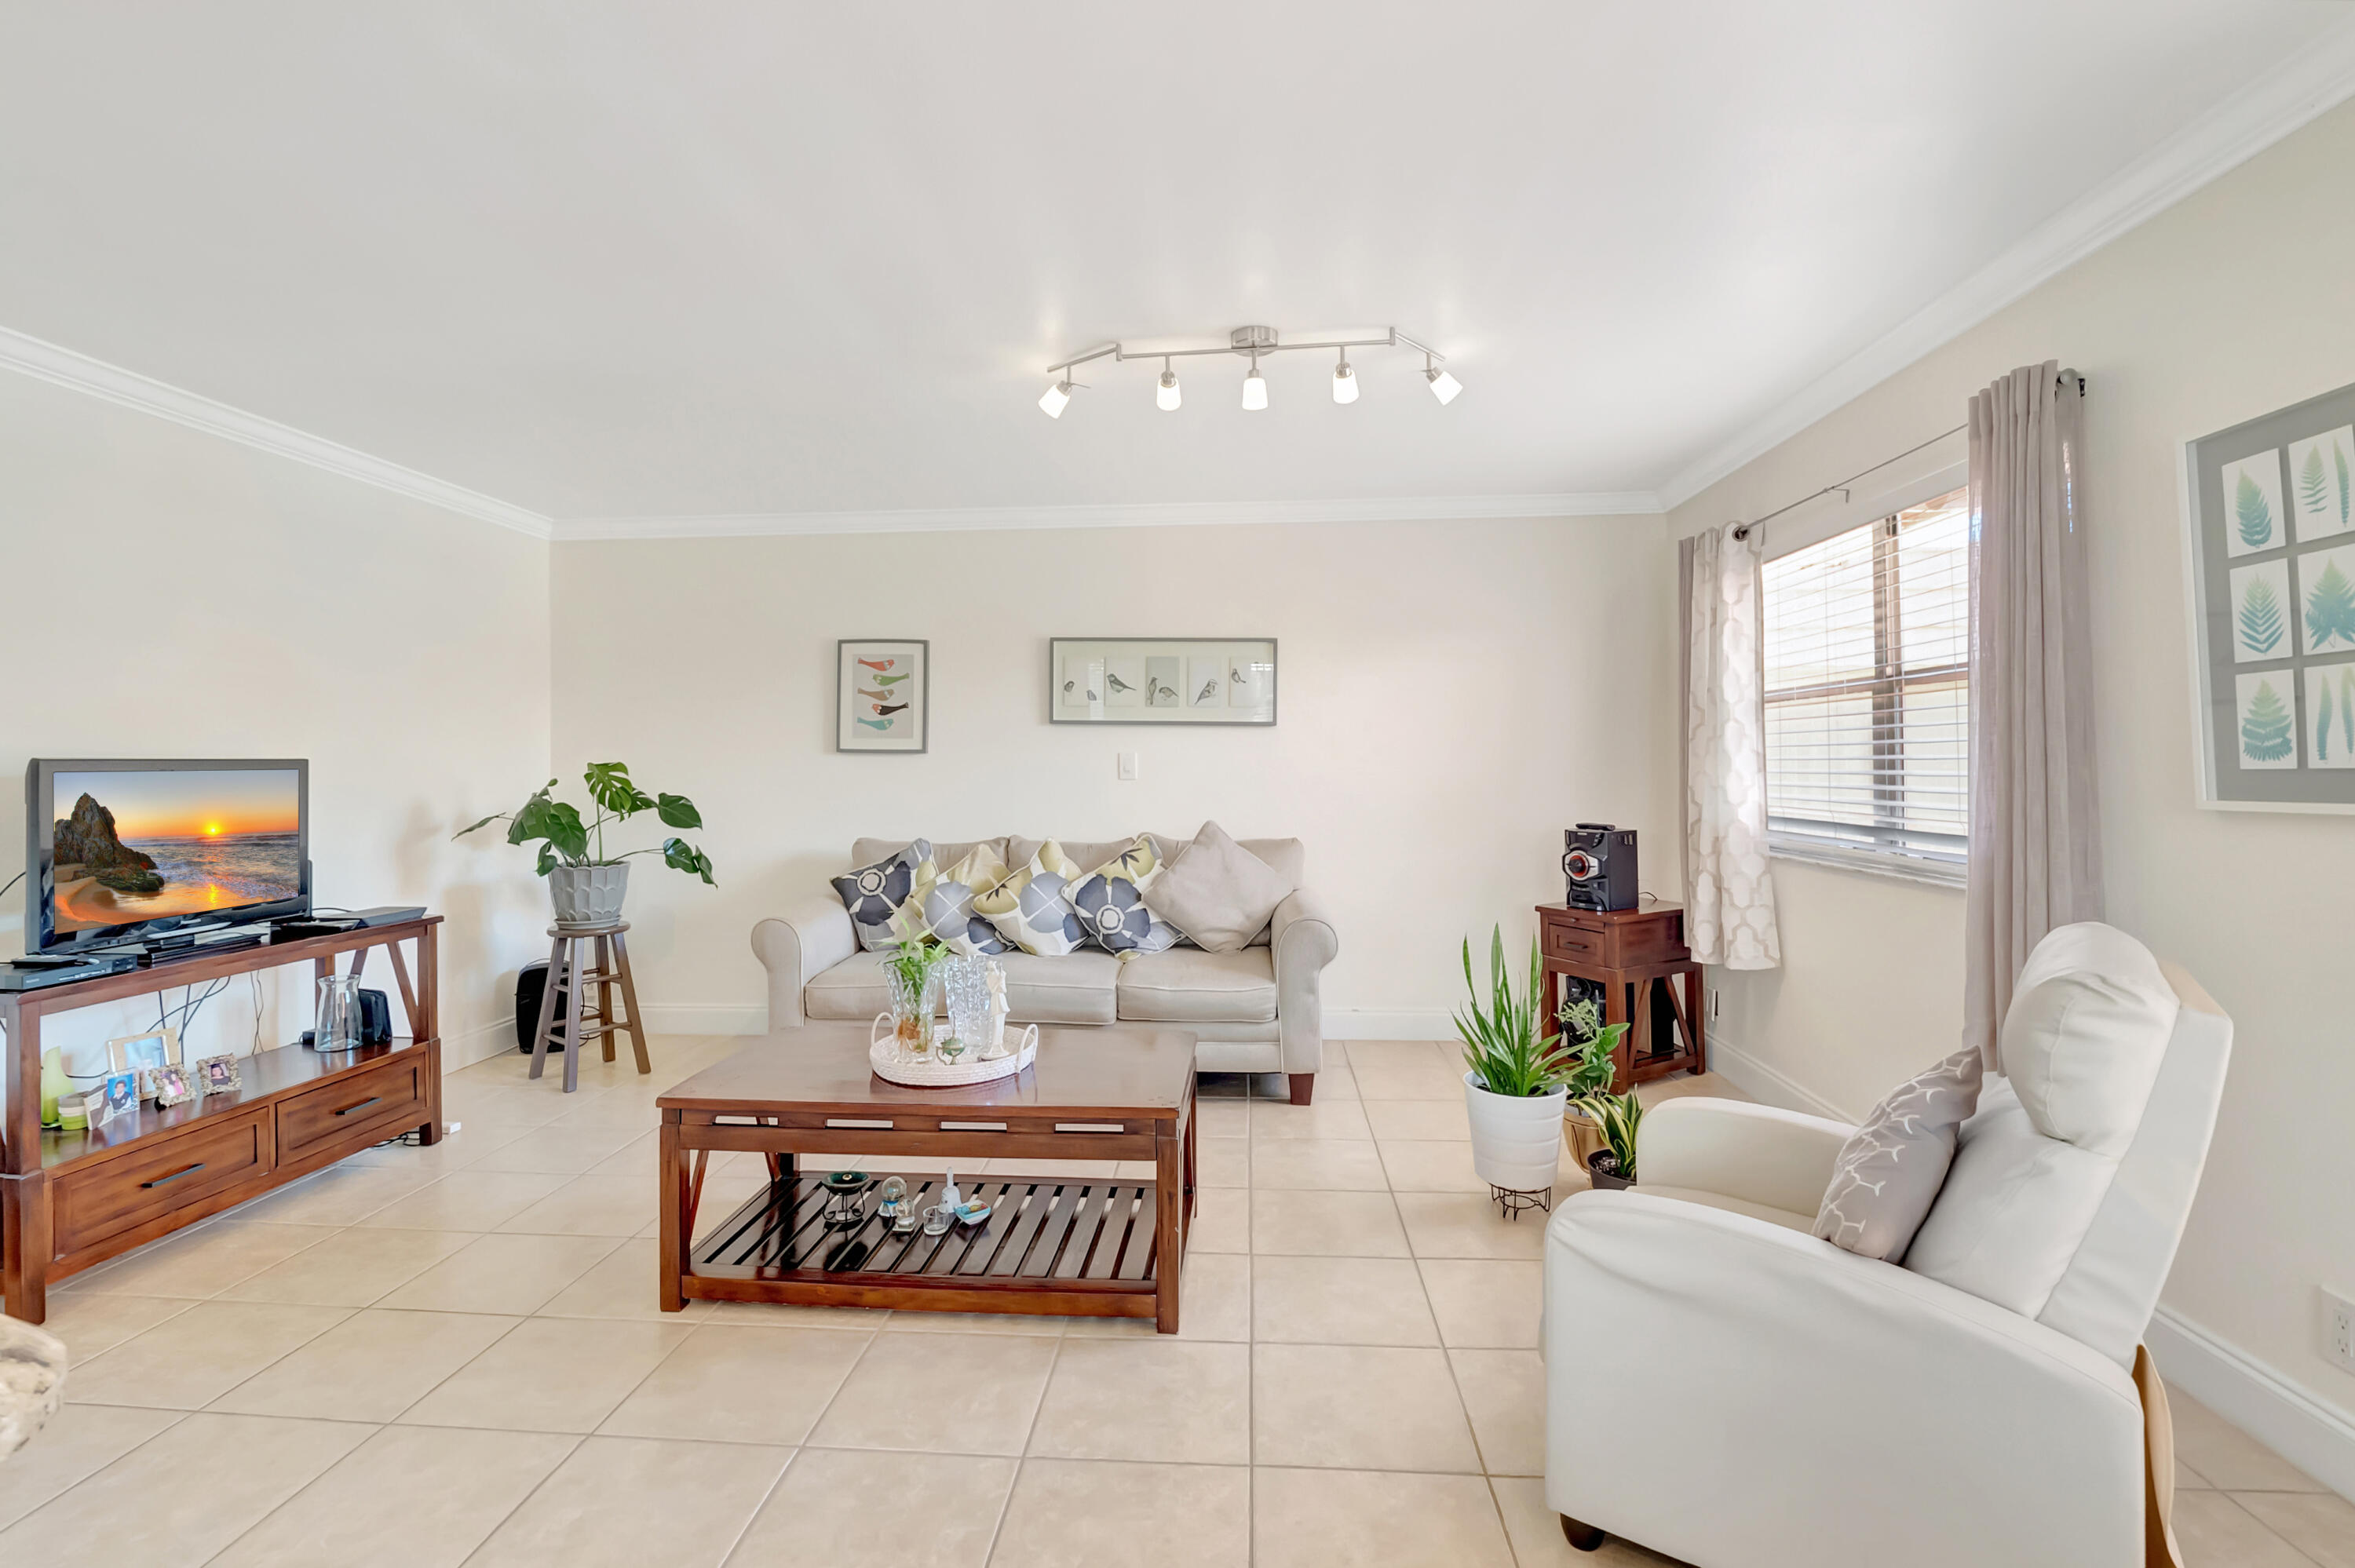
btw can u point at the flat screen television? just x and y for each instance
(123, 850)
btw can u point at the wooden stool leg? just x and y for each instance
(605, 995)
(572, 989)
(547, 1007)
(1696, 1002)
(630, 1000)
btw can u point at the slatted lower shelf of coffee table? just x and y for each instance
(1081, 1248)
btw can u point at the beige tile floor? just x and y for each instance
(452, 1356)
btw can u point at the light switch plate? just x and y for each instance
(1127, 765)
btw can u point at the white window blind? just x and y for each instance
(1868, 691)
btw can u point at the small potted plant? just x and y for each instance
(1595, 1045)
(1517, 1078)
(585, 884)
(1617, 1118)
(911, 971)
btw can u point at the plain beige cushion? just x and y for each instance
(1077, 987)
(1187, 985)
(1219, 893)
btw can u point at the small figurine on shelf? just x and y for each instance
(891, 1205)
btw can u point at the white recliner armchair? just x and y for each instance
(1725, 1387)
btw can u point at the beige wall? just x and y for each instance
(1452, 695)
(2238, 300)
(175, 594)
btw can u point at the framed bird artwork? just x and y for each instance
(882, 695)
(1161, 680)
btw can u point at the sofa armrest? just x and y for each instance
(796, 946)
(1831, 1408)
(1757, 1153)
(1305, 940)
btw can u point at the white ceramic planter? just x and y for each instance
(1516, 1140)
(588, 894)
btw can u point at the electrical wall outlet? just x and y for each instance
(2337, 1329)
(1128, 762)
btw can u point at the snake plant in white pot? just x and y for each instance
(1518, 1075)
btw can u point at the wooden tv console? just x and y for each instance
(72, 1199)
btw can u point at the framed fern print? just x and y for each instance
(1161, 680)
(2269, 522)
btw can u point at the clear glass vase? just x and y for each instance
(966, 994)
(911, 1014)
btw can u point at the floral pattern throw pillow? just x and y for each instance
(1030, 907)
(873, 893)
(1111, 903)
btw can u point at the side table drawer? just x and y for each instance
(1575, 944)
(354, 1110)
(160, 1173)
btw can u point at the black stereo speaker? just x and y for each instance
(1600, 867)
(531, 984)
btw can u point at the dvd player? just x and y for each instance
(56, 968)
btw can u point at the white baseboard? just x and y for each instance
(479, 1043)
(706, 1018)
(1768, 1084)
(1387, 1023)
(2310, 1433)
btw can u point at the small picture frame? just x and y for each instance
(172, 1087)
(158, 1048)
(217, 1075)
(882, 694)
(115, 1098)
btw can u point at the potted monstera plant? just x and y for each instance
(1517, 1076)
(585, 884)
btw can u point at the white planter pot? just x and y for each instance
(1516, 1140)
(588, 894)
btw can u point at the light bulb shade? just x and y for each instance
(1254, 391)
(1053, 400)
(1345, 385)
(1444, 386)
(1167, 396)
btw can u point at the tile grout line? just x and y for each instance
(2257, 1520)
(1029, 1435)
(530, 1492)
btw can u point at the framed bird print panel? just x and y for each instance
(1161, 680)
(882, 695)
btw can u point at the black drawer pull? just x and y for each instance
(175, 1176)
(362, 1106)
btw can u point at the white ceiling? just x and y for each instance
(635, 260)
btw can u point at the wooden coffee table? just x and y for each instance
(1093, 1247)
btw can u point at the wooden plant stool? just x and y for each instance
(610, 966)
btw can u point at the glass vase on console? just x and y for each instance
(912, 1003)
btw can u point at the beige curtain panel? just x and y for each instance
(1729, 886)
(2035, 856)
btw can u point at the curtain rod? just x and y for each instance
(1742, 530)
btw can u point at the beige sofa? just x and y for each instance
(1257, 1011)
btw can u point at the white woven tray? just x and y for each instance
(883, 1056)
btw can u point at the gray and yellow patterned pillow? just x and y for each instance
(873, 893)
(1110, 905)
(1030, 908)
(948, 903)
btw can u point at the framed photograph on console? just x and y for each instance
(143, 1056)
(1161, 680)
(882, 694)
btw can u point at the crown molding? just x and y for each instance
(2308, 85)
(64, 367)
(984, 519)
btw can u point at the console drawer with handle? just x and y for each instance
(354, 1109)
(153, 1177)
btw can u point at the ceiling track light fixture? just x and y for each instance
(1252, 341)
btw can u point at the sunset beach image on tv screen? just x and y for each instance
(139, 846)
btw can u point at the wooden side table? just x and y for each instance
(608, 954)
(1628, 951)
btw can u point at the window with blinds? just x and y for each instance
(1868, 691)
